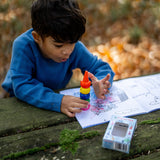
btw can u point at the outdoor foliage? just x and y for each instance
(124, 33)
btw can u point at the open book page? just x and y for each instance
(127, 97)
(144, 90)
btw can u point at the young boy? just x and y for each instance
(43, 59)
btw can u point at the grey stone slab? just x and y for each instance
(37, 138)
(150, 156)
(146, 138)
(17, 116)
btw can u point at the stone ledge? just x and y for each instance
(17, 116)
(44, 127)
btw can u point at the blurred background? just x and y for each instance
(125, 33)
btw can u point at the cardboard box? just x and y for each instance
(119, 133)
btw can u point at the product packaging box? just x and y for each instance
(119, 133)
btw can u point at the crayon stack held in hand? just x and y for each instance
(85, 89)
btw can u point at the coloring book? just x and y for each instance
(127, 97)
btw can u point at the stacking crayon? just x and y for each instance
(85, 89)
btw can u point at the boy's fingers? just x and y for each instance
(80, 103)
(106, 78)
(75, 110)
(106, 91)
(103, 97)
(92, 77)
(107, 84)
(70, 114)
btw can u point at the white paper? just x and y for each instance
(127, 97)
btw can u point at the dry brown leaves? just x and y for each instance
(108, 40)
(128, 60)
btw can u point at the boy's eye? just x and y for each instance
(58, 46)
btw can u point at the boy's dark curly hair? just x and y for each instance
(60, 19)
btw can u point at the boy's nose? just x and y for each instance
(67, 51)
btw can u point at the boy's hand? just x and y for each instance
(101, 87)
(71, 105)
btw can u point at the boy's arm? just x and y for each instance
(34, 92)
(25, 86)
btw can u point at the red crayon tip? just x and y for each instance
(85, 83)
(85, 78)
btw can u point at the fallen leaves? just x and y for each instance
(106, 34)
(129, 60)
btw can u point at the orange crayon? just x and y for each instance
(85, 89)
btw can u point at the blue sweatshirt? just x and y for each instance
(33, 78)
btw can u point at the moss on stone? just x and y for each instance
(29, 151)
(150, 121)
(68, 142)
(69, 138)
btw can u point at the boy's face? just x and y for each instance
(59, 52)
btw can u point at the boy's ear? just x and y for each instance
(36, 36)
